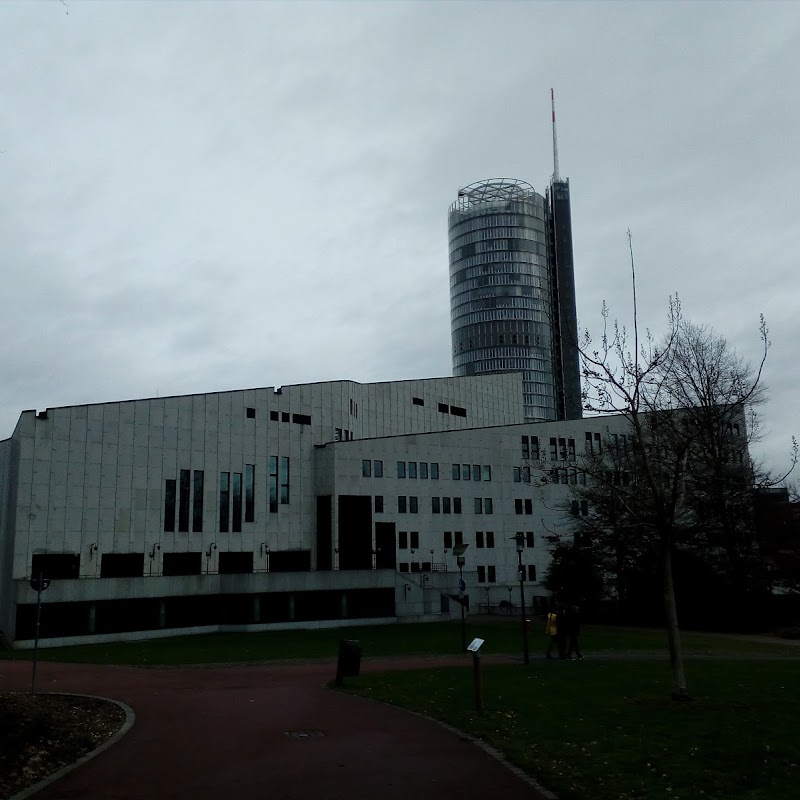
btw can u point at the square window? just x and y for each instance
(273, 415)
(284, 416)
(377, 469)
(401, 504)
(401, 469)
(443, 408)
(251, 413)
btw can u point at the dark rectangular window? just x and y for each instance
(528, 538)
(235, 563)
(366, 468)
(412, 469)
(481, 574)
(528, 506)
(445, 505)
(423, 470)
(492, 574)
(517, 475)
(448, 539)
(571, 449)
(169, 505)
(285, 416)
(459, 537)
(443, 408)
(490, 538)
(414, 539)
(249, 492)
(122, 565)
(56, 565)
(589, 448)
(456, 505)
(553, 448)
(526, 451)
(284, 480)
(301, 419)
(465, 472)
(251, 413)
(478, 538)
(487, 472)
(417, 401)
(273, 415)
(183, 500)
(476, 472)
(182, 563)
(403, 566)
(272, 486)
(535, 448)
(457, 411)
(413, 505)
(402, 540)
(526, 474)
(584, 507)
(488, 506)
(435, 506)
(224, 501)
(237, 502)
(379, 504)
(562, 448)
(401, 504)
(518, 506)
(197, 501)
(434, 471)
(456, 470)
(377, 469)
(401, 469)
(479, 505)
(531, 572)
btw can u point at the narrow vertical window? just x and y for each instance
(273, 483)
(413, 505)
(526, 452)
(402, 540)
(434, 471)
(401, 469)
(197, 501)
(412, 469)
(183, 501)
(490, 538)
(379, 504)
(435, 507)
(169, 505)
(535, 448)
(401, 504)
(478, 538)
(366, 468)
(487, 472)
(423, 470)
(237, 502)
(488, 506)
(517, 475)
(571, 449)
(479, 505)
(481, 574)
(456, 505)
(448, 539)
(492, 574)
(249, 493)
(459, 537)
(284, 480)
(414, 539)
(224, 501)
(529, 536)
(476, 472)
(378, 469)
(528, 506)
(553, 448)
(456, 472)
(465, 472)
(445, 505)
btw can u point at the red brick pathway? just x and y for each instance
(219, 733)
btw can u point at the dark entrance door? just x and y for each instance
(385, 545)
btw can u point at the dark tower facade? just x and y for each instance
(512, 291)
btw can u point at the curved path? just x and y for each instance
(231, 732)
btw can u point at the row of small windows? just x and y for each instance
(482, 234)
(488, 574)
(535, 357)
(475, 222)
(499, 256)
(494, 315)
(475, 472)
(285, 416)
(456, 411)
(511, 279)
(342, 435)
(353, 408)
(405, 469)
(497, 246)
(525, 503)
(462, 294)
(506, 364)
(533, 305)
(519, 266)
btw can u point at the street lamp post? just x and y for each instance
(458, 552)
(519, 537)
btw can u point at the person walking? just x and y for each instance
(572, 629)
(551, 631)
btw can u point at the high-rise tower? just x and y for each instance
(512, 290)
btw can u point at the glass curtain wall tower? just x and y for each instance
(512, 291)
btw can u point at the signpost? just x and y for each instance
(38, 584)
(458, 552)
(477, 680)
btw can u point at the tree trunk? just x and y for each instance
(679, 690)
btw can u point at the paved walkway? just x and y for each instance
(211, 733)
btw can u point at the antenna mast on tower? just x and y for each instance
(556, 178)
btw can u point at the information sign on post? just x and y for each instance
(38, 583)
(477, 680)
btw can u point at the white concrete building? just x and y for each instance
(316, 504)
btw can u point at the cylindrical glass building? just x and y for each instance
(500, 288)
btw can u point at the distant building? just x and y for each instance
(309, 505)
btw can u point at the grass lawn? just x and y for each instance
(608, 730)
(438, 638)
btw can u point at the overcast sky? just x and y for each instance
(201, 196)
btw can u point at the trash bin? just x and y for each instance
(349, 662)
